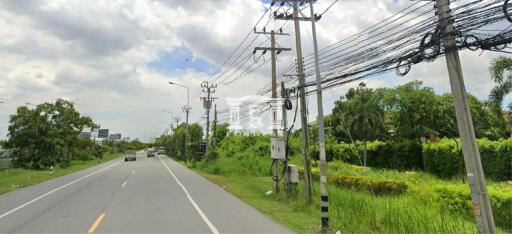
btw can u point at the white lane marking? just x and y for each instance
(203, 216)
(56, 189)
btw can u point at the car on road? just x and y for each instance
(131, 155)
(151, 152)
(161, 150)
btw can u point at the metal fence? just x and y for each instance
(6, 158)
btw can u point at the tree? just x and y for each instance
(410, 110)
(500, 71)
(221, 131)
(175, 143)
(47, 135)
(364, 114)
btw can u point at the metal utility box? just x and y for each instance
(278, 149)
(294, 173)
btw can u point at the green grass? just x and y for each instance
(13, 179)
(352, 211)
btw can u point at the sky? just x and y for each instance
(114, 58)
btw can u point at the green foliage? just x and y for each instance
(175, 143)
(444, 158)
(400, 155)
(47, 135)
(221, 131)
(410, 110)
(374, 185)
(498, 69)
(240, 154)
(458, 199)
(110, 146)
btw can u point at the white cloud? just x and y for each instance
(96, 52)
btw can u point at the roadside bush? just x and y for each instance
(240, 154)
(377, 186)
(399, 155)
(458, 199)
(444, 158)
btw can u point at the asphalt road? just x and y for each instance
(150, 195)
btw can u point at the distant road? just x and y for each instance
(150, 195)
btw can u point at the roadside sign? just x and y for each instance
(103, 133)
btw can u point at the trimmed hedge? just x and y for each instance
(378, 186)
(458, 199)
(444, 158)
(399, 155)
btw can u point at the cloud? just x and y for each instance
(115, 58)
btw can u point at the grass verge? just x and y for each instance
(351, 211)
(13, 179)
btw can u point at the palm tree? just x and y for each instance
(364, 114)
(501, 74)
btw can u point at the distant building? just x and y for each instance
(115, 137)
(86, 135)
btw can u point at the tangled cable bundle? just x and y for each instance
(411, 36)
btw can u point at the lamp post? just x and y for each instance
(186, 109)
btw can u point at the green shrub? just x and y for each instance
(399, 154)
(376, 186)
(444, 158)
(458, 199)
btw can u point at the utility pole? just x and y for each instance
(274, 51)
(308, 188)
(207, 104)
(284, 96)
(324, 195)
(187, 109)
(214, 141)
(177, 120)
(479, 196)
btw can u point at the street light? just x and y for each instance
(186, 109)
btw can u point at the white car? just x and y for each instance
(131, 155)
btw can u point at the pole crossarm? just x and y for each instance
(301, 2)
(265, 49)
(286, 16)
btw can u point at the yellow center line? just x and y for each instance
(96, 223)
(124, 184)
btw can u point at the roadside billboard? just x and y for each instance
(103, 133)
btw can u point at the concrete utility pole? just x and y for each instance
(186, 109)
(284, 96)
(274, 51)
(308, 188)
(480, 198)
(214, 142)
(177, 120)
(207, 104)
(324, 195)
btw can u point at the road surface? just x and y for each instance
(150, 195)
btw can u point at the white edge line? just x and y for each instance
(203, 216)
(55, 190)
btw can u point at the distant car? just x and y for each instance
(161, 150)
(131, 155)
(151, 152)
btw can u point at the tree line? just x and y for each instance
(48, 135)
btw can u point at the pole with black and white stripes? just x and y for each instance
(324, 195)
